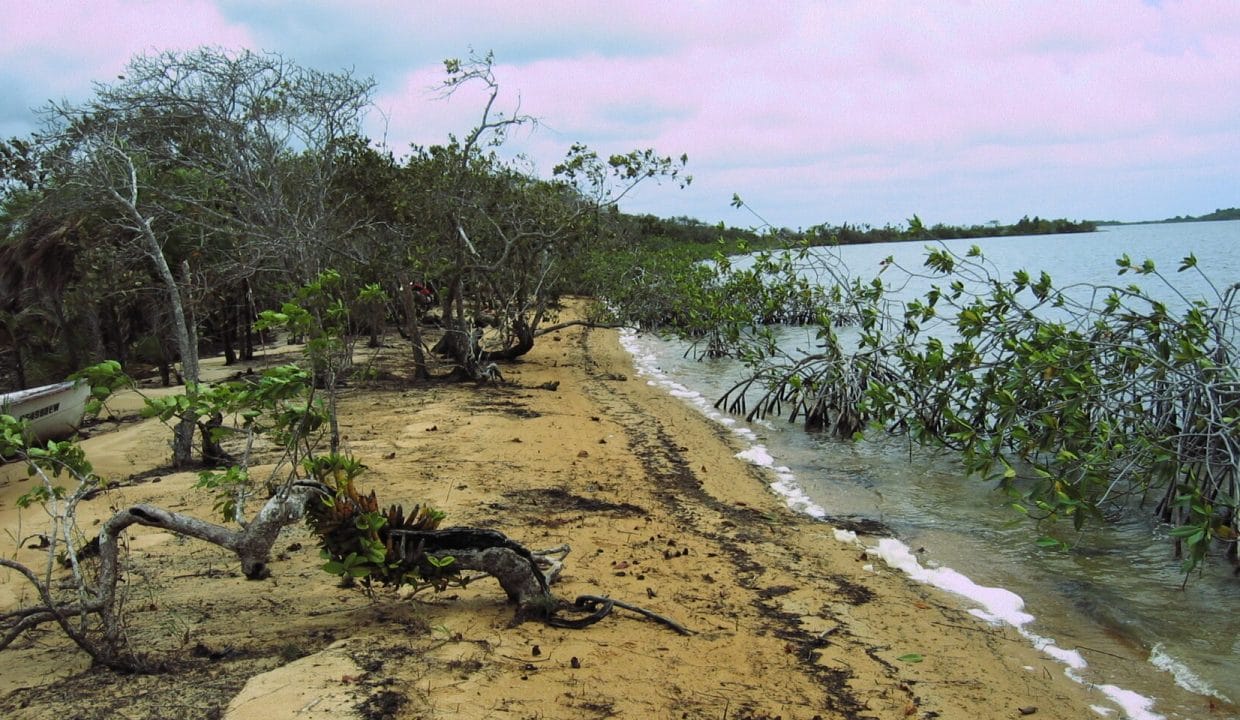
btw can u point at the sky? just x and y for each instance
(813, 111)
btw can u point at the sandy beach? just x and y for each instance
(788, 620)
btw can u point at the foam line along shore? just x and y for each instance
(994, 605)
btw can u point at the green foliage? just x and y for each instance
(352, 565)
(104, 378)
(1096, 405)
(1078, 409)
(280, 405)
(48, 462)
(361, 541)
(317, 312)
(278, 402)
(12, 435)
(227, 485)
(1218, 214)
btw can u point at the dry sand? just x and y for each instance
(788, 622)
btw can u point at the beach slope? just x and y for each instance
(572, 448)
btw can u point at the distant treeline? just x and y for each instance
(1223, 214)
(685, 232)
(854, 234)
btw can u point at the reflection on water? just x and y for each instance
(1116, 598)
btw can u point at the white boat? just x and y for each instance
(53, 411)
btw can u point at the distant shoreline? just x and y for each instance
(1216, 216)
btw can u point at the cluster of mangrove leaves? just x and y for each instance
(1083, 402)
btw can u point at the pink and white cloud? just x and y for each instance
(851, 110)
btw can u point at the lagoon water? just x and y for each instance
(1114, 612)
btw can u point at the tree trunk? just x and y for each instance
(524, 575)
(180, 329)
(245, 313)
(19, 366)
(247, 345)
(183, 434)
(68, 339)
(515, 567)
(252, 544)
(459, 346)
(228, 335)
(113, 338)
(413, 329)
(183, 331)
(164, 362)
(212, 454)
(524, 343)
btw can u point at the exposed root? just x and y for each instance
(601, 607)
(550, 562)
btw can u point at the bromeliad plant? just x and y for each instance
(361, 541)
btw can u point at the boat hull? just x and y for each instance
(53, 411)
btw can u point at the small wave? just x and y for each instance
(1184, 677)
(1134, 705)
(757, 455)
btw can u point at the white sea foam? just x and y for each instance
(1047, 647)
(997, 605)
(1134, 705)
(1184, 677)
(796, 498)
(845, 536)
(1003, 606)
(757, 455)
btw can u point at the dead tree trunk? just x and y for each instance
(251, 543)
(524, 575)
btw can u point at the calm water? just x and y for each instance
(1118, 600)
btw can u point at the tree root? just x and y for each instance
(600, 607)
(525, 575)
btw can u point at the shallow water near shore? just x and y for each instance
(1115, 606)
